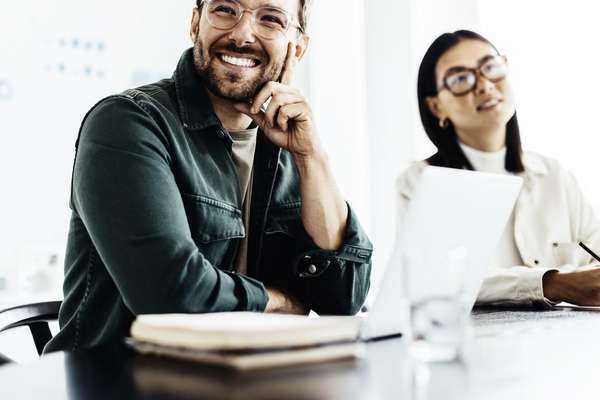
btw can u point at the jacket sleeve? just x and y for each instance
(336, 282)
(523, 285)
(515, 285)
(126, 195)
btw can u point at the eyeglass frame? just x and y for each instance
(476, 71)
(252, 12)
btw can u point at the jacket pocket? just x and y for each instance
(211, 220)
(215, 227)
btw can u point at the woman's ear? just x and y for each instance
(436, 107)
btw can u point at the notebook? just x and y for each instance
(246, 340)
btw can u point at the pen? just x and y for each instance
(590, 252)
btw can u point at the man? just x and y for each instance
(192, 195)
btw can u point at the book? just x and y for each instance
(245, 340)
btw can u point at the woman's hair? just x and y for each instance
(449, 153)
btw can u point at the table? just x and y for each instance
(513, 354)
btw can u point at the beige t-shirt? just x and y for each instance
(243, 148)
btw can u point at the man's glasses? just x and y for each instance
(269, 22)
(462, 80)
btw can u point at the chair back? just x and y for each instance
(35, 316)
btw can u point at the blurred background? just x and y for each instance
(59, 57)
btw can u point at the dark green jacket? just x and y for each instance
(157, 220)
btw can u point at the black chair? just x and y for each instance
(36, 316)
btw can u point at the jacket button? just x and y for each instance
(554, 244)
(312, 269)
(536, 262)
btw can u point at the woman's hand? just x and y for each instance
(579, 287)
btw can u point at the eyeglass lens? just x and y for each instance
(461, 81)
(269, 22)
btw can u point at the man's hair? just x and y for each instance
(303, 12)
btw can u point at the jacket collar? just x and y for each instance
(534, 168)
(195, 109)
(534, 164)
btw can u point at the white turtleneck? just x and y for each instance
(507, 254)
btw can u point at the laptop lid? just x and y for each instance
(454, 216)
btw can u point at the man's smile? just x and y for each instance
(246, 62)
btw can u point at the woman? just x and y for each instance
(467, 109)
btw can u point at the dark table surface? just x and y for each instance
(512, 354)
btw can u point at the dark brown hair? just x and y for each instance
(303, 12)
(449, 152)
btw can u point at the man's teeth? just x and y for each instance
(241, 62)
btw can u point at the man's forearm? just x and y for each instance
(324, 211)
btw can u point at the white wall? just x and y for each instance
(338, 95)
(552, 48)
(391, 120)
(398, 34)
(57, 59)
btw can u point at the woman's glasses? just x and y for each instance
(462, 80)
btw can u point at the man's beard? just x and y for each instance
(229, 85)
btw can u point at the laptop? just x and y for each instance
(453, 216)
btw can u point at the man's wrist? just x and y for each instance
(305, 163)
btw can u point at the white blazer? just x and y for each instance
(551, 218)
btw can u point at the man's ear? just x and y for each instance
(195, 25)
(302, 46)
(436, 107)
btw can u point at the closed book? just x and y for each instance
(244, 340)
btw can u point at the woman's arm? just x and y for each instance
(581, 287)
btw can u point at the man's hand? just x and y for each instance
(287, 121)
(282, 303)
(580, 287)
